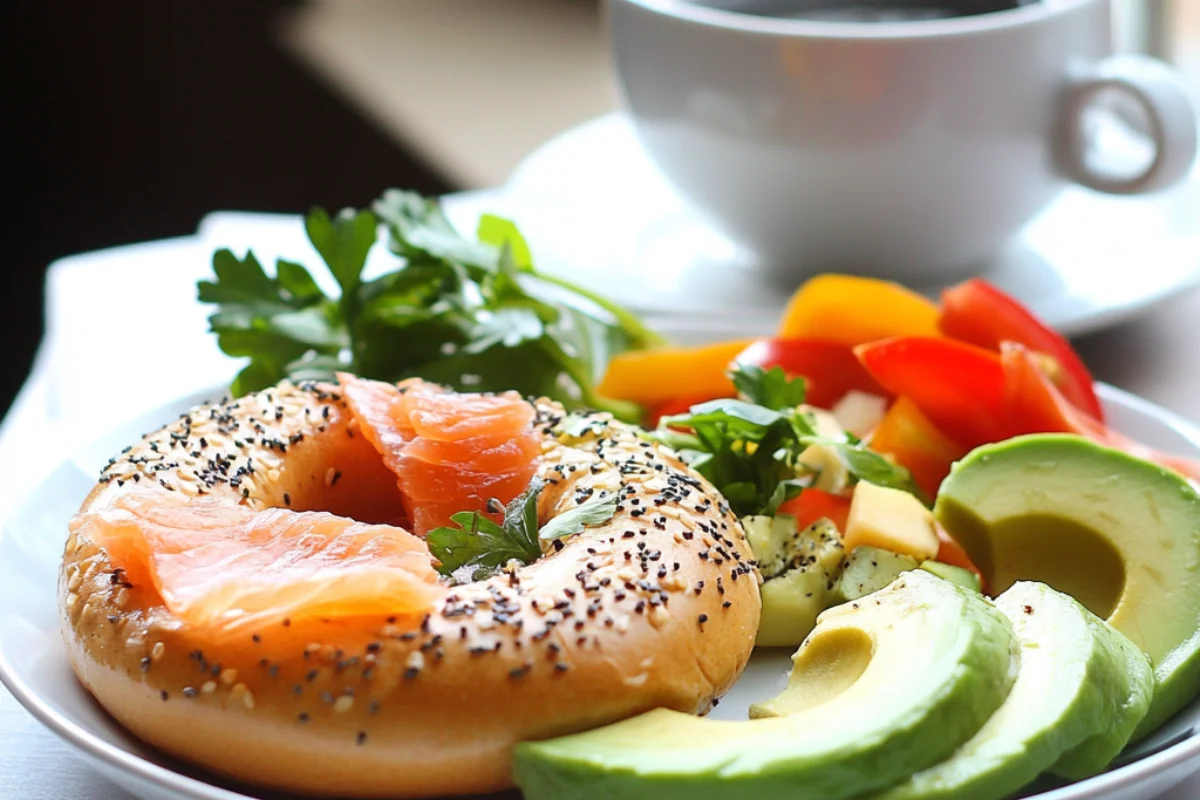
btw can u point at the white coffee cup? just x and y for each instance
(910, 149)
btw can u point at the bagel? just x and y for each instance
(656, 608)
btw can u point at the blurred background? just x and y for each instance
(136, 118)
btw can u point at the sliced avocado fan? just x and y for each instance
(1075, 691)
(1119, 534)
(1128, 693)
(883, 687)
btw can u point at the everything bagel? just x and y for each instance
(656, 607)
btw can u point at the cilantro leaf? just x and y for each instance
(593, 511)
(771, 388)
(478, 547)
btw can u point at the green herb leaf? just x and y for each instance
(867, 465)
(478, 547)
(500, 232)
(750, 449)
(771, 388)
(273, 321)
(473, 314)
(593, 511)
(343, 242)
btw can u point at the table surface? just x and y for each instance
(1154, 356)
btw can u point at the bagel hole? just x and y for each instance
(347, 478)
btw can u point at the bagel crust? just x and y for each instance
(658, 607)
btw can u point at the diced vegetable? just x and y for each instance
(948, 572)
(828, 470)
(958, 386)
(890, 520)
(655, 376)
(771, 540)
(813, 504)
(829, 368)
(951, 552)
(869, 569)
(979, 313)
(859, 412)
(908, 436)
(854, 311)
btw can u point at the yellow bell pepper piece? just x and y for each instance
(854, 311)
(650, 377)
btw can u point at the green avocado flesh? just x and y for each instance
(800, 568)
(883, 687)
(1119, 534)
(1074, 686)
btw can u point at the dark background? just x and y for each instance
(135, 118)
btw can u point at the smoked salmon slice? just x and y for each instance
(451, 452)
(228, 569)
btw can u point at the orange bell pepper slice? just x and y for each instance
(652, 377)
(908, 436)
(854, 311)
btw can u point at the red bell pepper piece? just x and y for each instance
(814, 504)
(1040, 407)
(830, 368)
(958, 386)
(978, 313)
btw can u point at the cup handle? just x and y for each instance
(1171, 121)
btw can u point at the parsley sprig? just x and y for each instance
(749, 448)
(470, 313)
(478, 548)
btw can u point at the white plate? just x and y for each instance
(596, 208)
(33, 664)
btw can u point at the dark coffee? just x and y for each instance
(865, 10)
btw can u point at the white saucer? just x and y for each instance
(33, 662)
(597, 209)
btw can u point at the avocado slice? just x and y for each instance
(1074, 685)
(1130, 693)
(883, 687)
(1119, 534)
(948, 572)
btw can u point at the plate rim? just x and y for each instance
(110, 755)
